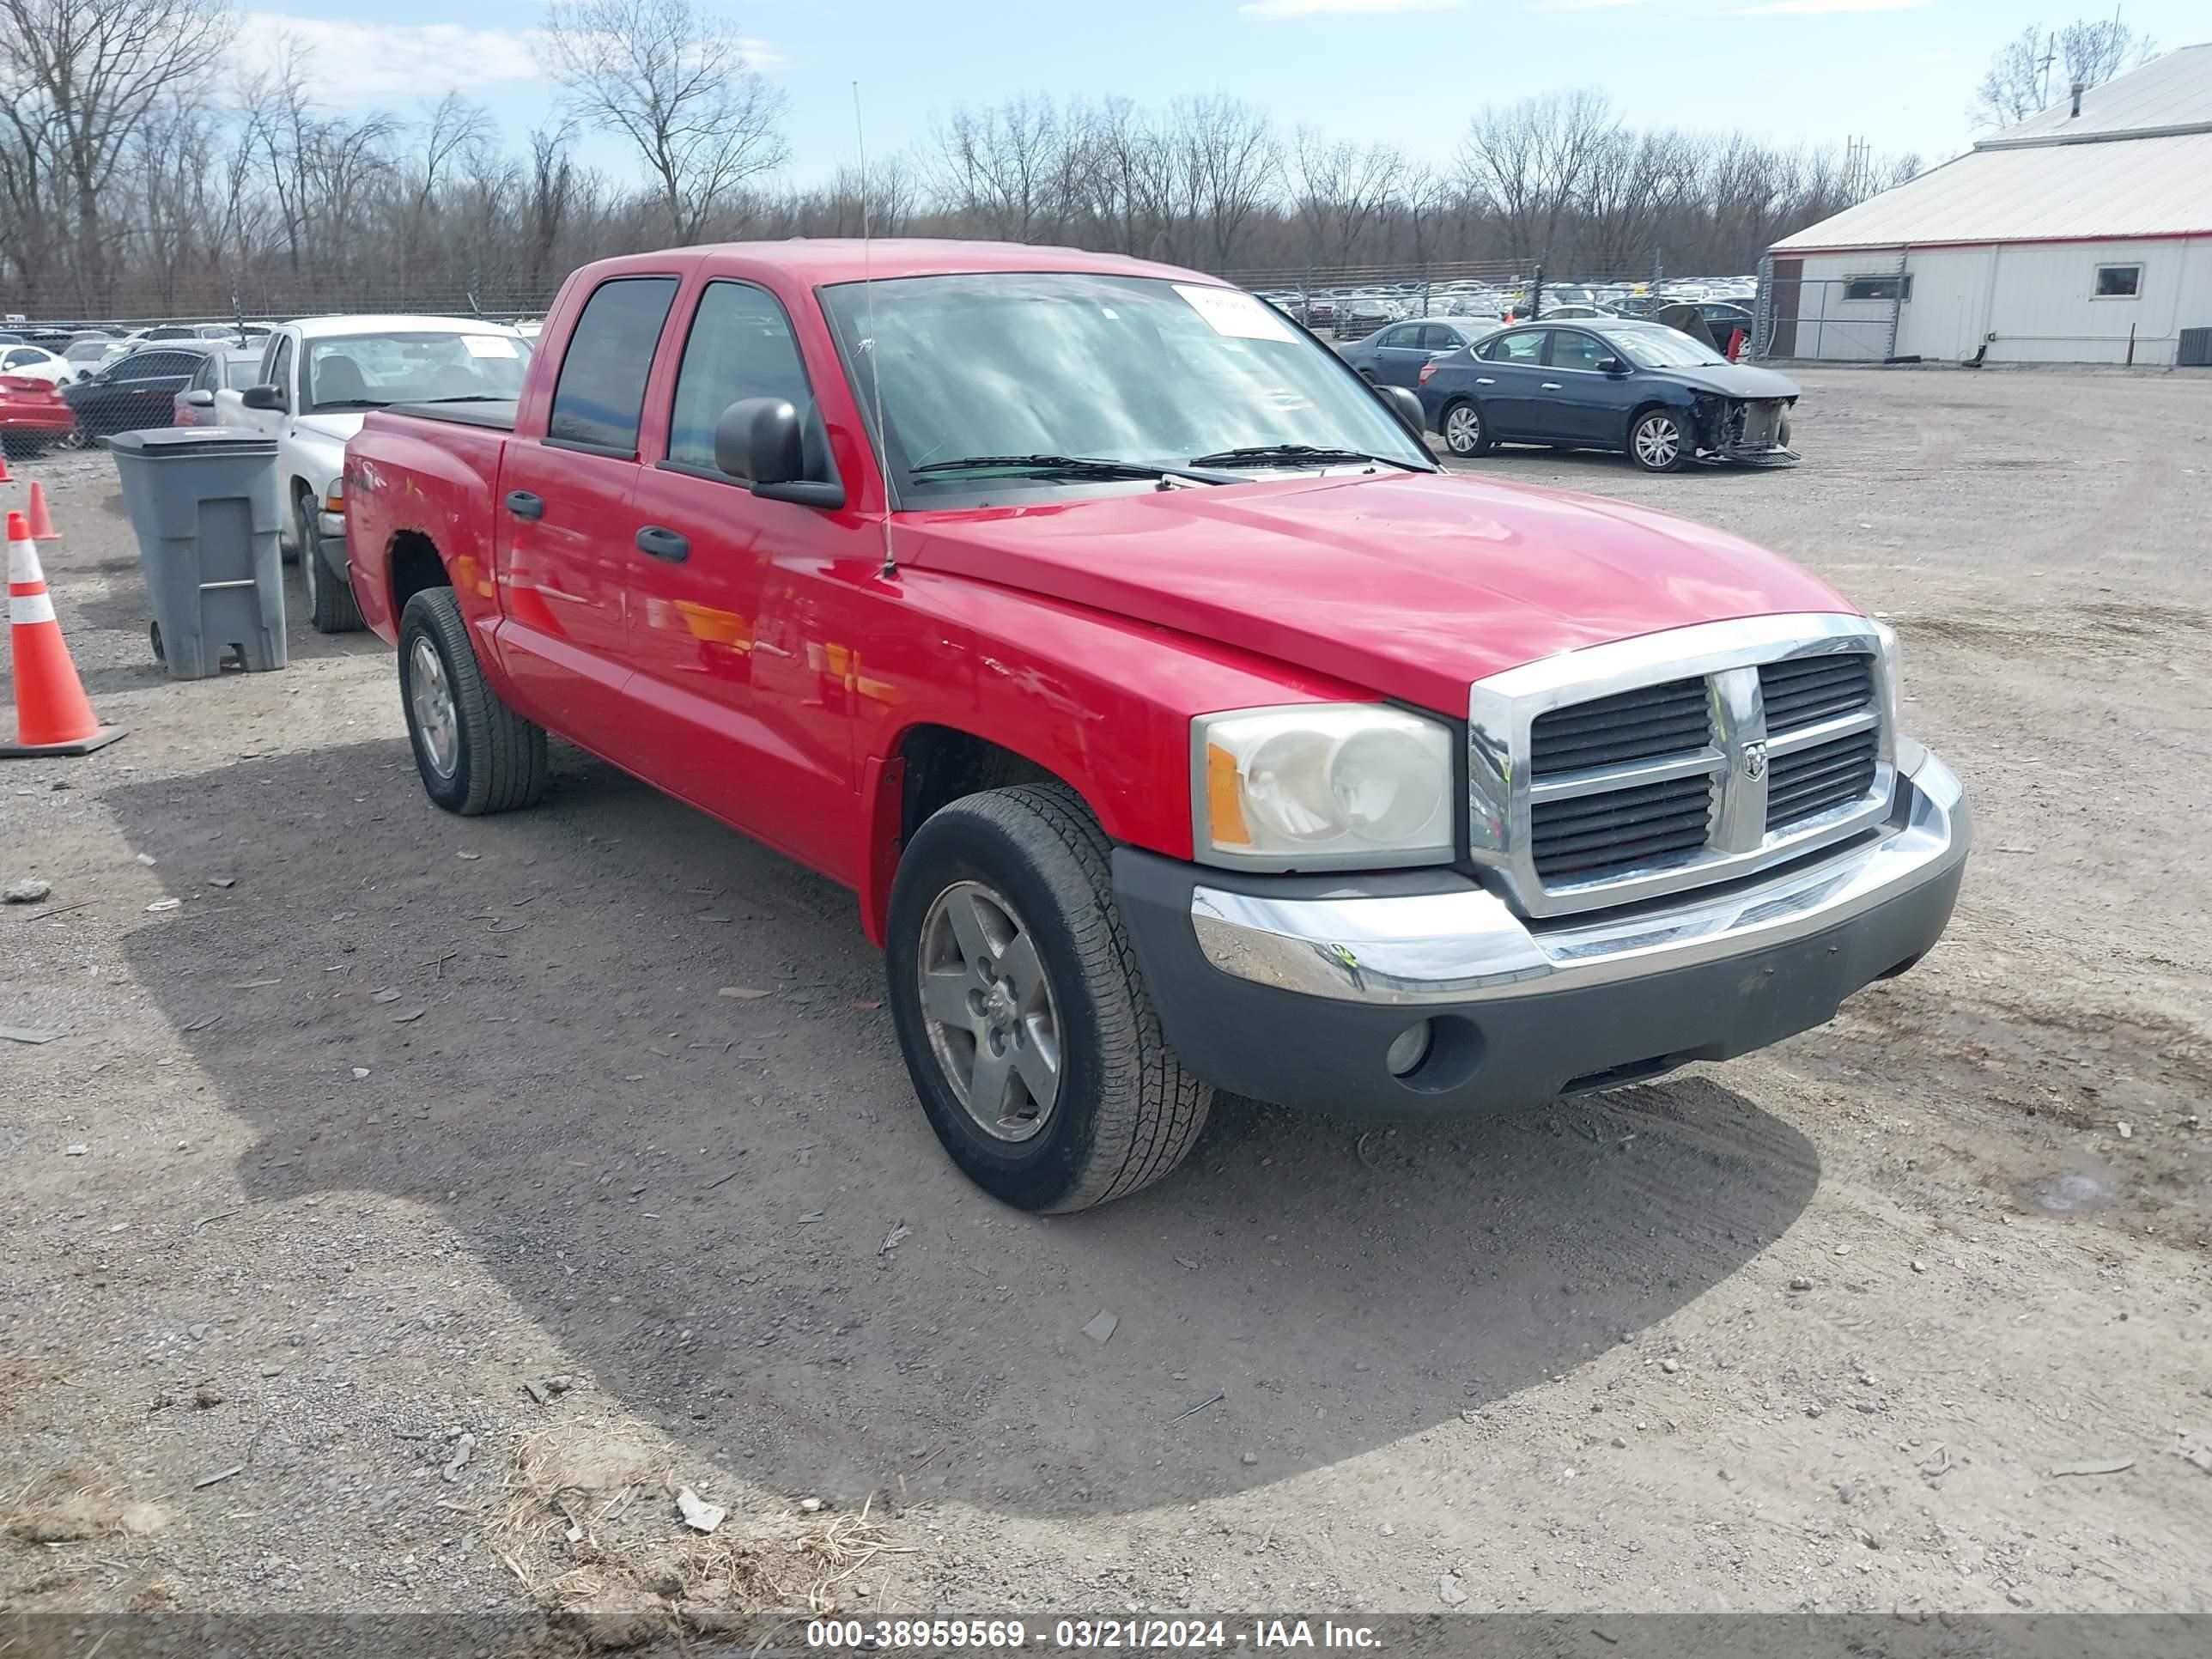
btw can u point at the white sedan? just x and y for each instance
(36, 363)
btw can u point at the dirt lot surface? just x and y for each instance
(366, 1121)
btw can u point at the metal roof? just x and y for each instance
(2144, 168)
(2172, 92)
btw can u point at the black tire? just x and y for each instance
(1472, 436)
(1652, 451)
(1782, 432)
(331, 606)
(498, 759)
(1125, 1112)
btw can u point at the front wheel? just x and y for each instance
(1026, 1027)
(331, 604)
(475, 754)
(1464, 433)
(1660, 441)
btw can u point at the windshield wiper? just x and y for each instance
(1085, 466)
(1296, 455)
(330, 404)
(467, 397)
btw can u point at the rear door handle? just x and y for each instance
(1548, 385)
(524, 505)
(1484, 380)
(657, 541)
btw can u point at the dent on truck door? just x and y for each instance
(717, 574)
(562, 514)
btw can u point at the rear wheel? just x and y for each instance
(1465, 433)
(1659, 440)
(1026, 1027)
(475, 754)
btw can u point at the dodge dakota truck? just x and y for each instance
(1180, 724)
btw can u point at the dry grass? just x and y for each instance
(65, 1507)
(20, 1375)
(587, 1522)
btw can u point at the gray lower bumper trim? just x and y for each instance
(1469, 946)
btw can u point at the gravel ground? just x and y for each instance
(366, 1121)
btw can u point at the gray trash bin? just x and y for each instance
(204, 502)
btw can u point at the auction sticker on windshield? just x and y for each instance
(1230, 311)
(489, 345)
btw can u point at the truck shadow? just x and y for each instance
(726, 1211)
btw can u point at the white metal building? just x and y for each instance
(2083, 235)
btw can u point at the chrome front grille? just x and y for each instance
(1585, 836)
(1639, 724)
(1618, 772)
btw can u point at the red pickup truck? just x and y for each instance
(1180, 724)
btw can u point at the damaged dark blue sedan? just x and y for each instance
(1638, 389)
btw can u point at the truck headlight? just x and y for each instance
(1321, 786)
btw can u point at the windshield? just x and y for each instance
(239, 372)
(88, 351)
(367, 371)
(1114, 369)
(1664, 347)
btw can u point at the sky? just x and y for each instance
(1900, 73)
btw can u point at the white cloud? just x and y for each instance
(1824, 8)
(1273, 8)
(347, 62)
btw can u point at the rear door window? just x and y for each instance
(600, 396)
(1521, 346)
(1572, 348)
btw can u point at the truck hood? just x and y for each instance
(329, 428)
(1736, 380)
(1407, 585)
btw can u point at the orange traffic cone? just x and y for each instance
(52, 714)
(42, 522)
(4, 479)
(1734, 354)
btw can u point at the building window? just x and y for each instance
(2118, 282)
(1878, 287)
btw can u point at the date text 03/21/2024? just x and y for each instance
(1006, 1635)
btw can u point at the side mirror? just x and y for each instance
(1611, 366)
(757, 440)
(761, 442)
(198, 399)
(262, 396)
(1404, 404)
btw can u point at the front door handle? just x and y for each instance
(524, 505)
(1485, 380)
(1548, 385)
(656, 541)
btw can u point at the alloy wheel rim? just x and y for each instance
(1655, 441)
(431, 695)
(1464, 429)
(987, 1005)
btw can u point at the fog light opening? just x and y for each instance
(1410, 1047)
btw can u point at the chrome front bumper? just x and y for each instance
(1469, 946)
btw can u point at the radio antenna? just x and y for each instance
(875, 343)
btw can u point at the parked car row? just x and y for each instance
(1351, 313)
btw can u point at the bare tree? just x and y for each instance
(1532, 160)
(1339, 190)
(80, 77)
(1004, 166)
(681, 86)
(2039, 67)
(453, 131)
(1233, 164)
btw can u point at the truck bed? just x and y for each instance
(499, 415)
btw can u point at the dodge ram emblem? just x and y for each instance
(1754, 761)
